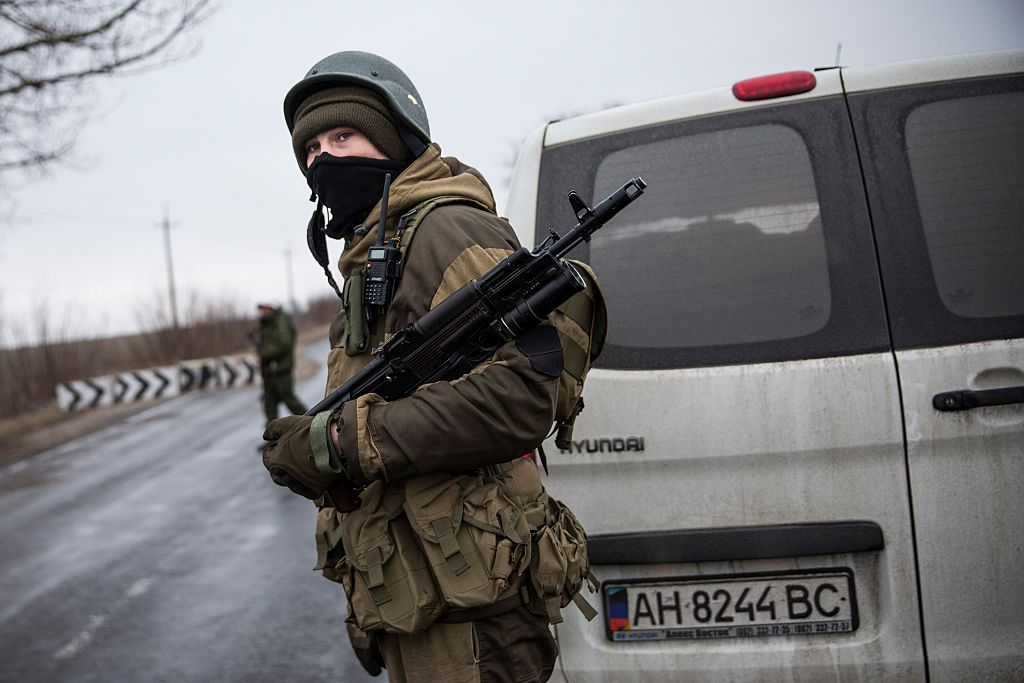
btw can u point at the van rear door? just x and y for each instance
(739, 466)
(944, 165)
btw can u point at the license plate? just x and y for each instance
(735, 606)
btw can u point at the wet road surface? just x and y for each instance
(158, 549)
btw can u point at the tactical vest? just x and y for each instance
(430, 547)
(443, 546)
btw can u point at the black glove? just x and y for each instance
(289, 458)
(291, 462)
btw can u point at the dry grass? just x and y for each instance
(28, 433)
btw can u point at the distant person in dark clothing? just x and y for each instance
(276, 347)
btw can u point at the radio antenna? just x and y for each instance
(383, 210)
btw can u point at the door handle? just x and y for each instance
(965, 399)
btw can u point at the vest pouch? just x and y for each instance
(329, 548)
(387, 578)
(476, 540)
(547, 572)
(499, 529)
(574, 545)
(354, 335)
(560, 563)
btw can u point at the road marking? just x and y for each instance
(138, 588)
(82, 639)
(13, 469)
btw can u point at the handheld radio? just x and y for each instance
(383, 266)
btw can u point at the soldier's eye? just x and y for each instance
(312, 147)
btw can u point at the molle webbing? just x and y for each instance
(445, 535)
(375, 577)
(434, 547)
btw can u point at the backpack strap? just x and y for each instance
(582, 331)
(360, 335)
(316, 240)
(410, 220)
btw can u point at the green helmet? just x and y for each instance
(369, 71)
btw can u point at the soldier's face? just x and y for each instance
(341, 142)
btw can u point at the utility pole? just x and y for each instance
(290, 280)
(166, 225)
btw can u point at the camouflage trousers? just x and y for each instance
(279, 388)
(513, 647)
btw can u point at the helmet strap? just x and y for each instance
(316, 240)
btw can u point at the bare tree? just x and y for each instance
(52, 50)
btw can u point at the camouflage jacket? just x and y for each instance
(504, 407)
(277, 343)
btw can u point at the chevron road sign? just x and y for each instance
(82, 394)
(252, 369)
(199, 374)
(139, 385)
(161, 382)
(237, 371)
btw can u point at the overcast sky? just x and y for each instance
(207, 137)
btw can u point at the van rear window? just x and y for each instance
(944, 171)
(729, 240)
(752, 242)
(967, 163)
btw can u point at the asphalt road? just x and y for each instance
(158, 550)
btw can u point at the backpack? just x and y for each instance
(582, 324)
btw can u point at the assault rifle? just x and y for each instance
(471, 324)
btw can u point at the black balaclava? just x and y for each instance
(349, 187)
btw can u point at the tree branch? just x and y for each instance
(51, 38)
(50, 50)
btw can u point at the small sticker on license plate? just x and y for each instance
(806, 602)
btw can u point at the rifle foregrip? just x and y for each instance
(536, 307)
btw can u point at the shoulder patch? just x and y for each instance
(471, 263)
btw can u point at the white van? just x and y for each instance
(802, 452)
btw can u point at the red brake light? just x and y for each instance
(776, 85)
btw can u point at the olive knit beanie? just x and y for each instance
(352, 106)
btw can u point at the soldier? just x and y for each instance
(276, 349)
(448, 561)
